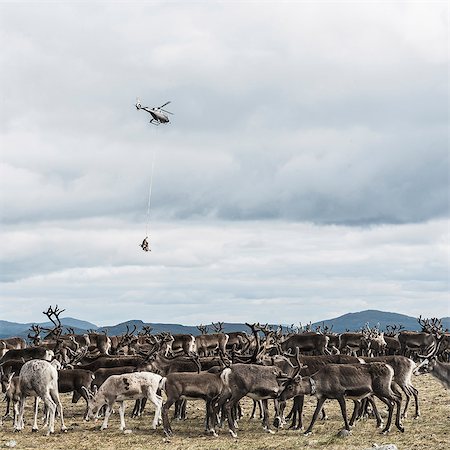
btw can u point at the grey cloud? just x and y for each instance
(291, 114)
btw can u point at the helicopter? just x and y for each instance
(159, 115)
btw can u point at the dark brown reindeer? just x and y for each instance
(354, 343)
(13, 343)
(8, 370)
(339, 381)
(120, 343)
(76, 381)
(27, 354)
(252, 380)
(413, 342)
(200, 385)
(308, 341)
(309, 365)
(182, 343)
(333, 338)
(113, 361)
(391, 338)
(36, 337)
(100, 342)
(207, 344)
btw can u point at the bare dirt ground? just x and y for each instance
(430, 431)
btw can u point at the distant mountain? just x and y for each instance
(82, 324)
(350, 321)
(355, 321)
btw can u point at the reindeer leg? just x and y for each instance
(7, 413)
(375, 412)
(51, 406)
(35, 427)
(415, 394)
(108, 412)
(356, 408)
(229, 406)
(157, 401)
(59, 409)
(390, 405)
(342, 404)
(320, 402)
(122, 415)
(398, 402)
(165, 416)
(298, 405)
(252, 415)
(266, 426)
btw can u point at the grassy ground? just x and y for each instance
(430, 431)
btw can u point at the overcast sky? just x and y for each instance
(304, 174)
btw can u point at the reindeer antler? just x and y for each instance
(218, 327)
(300, 366)
(202, 328)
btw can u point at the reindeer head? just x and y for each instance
(6, 379)
(94, 401)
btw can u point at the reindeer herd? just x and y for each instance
(264, 364)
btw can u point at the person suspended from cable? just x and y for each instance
(145, 245)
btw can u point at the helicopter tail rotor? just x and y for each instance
(138, 103)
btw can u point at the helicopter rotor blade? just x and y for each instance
(162, 106)
(167, 112)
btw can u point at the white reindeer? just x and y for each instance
(39, 379)
(129, 386)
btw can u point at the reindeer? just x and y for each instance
(377, 343)
(130, 386)
(209, 343)
(122, 342)
(391, 337)
(113, 361)
(414, 342)
(28, 354)
(100, 342)
(182, 343)
(252, 380)
(75, 380)
(204, 385)
(7, 371)
(333, 338)
(403, 370)
(309, 365)
(13, 343)
(38, 378)
(431, 364)
(354, 343)
(307, 341)
(338, 381)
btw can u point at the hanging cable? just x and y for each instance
(145, 243)
(150, 195)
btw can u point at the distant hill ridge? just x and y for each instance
(349, 321)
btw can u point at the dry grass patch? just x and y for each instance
(430, 431)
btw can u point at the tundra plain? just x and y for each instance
(431, 431)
